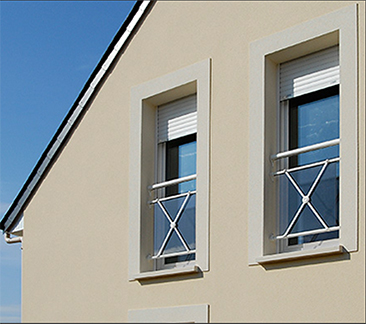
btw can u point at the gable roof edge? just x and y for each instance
(14, 214)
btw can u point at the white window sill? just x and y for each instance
(167, 272)
(288, 256)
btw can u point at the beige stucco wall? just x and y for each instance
(75, 250)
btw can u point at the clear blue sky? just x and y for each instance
(48, 49)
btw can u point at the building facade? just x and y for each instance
(211, 170)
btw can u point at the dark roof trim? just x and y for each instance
(14, 212)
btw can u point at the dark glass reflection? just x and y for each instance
(314, 118)
(180, 162)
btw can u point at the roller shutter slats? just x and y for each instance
(177, 119)
(309, 73)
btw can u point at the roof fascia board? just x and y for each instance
(15, 211)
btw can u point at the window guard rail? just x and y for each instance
(162, 256)
(305, 166)
(173, 182)
(312, 232)
(305, 149)
(306, 198)
(151, 202)
(173, 221)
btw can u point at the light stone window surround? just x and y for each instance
(176, 314)
(143, 158)
(338, 27)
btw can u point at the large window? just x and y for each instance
(303, 140)
(169, 174)
(308, 179)
(308, 162)
(175, 192)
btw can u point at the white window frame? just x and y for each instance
(280, 163)
(161, 193)
(336, 28)
(176, 314)
(145, 98)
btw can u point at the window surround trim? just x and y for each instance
(338, 27)
(180, 314)
(144, 101)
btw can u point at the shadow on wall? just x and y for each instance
(171, 278)
(342, 256)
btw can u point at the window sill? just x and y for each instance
(168, 272)
(289, 256)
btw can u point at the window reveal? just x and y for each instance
(175, 194)
(308, 182)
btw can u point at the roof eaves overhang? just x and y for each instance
(14, 214)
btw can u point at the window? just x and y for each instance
(303, 140)
(175, 192)
(308, 179)
(169, 174)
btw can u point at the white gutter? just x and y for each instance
(13, 212)
(10, 240)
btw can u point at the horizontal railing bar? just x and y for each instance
(306, 166)
(172, 197)
(173, 254)
(305, 149)
(172, 182)
(318, 231)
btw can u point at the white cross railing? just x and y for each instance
(173, 221)
(306, 198)
(305, 149)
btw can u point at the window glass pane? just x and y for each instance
(187, 165)
(180, 162)
(161, 228)
(187, 223)
(311, 123)
(313, 119)
(325, 197)
(318, 121)
(315, 156)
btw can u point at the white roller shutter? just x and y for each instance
(177, 119)
(309, 73)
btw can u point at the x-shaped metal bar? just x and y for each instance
(173, 225)
(305, 200)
